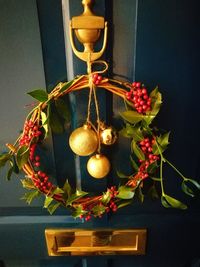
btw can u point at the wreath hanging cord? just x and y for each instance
(147, 143)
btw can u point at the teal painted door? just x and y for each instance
(151, 41)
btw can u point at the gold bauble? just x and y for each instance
(108, 136)
(83, 141)
(98, 166)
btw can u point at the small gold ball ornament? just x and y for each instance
(83, 141)
(108, 135)
(98, 166)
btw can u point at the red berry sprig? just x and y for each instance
(139, 97)
(96, 78)
(31, 130)
(146, 146)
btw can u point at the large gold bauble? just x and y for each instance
(108, 136)
(98, 166)
(83, 141)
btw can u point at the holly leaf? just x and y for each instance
(131, 116)
(55, 123)
(78, 211)
(79, 194)
(139, 194)
(67, 188)
(134, 164)
(152, 192)
(40, 95)
(53, 207)
(137, 151)
(29, 196)
(121, 175)
(47, 201)
(170, 202)
(10, 171)
(27, 183)
(22, 156)
(125, 192)
(162, 142)
(45, 119)
(98, 209)
(156, 101)
(106, 197)
(124, 203)
(4, 158)
(66, 86)
(62, 109)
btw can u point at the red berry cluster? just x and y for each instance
(139, 97)
(147, 147)
(34, 158)
(111, 205)
(41, 181)
(30, 131)
(96, 79)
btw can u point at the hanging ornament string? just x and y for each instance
(92, 91)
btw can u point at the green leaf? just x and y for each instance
(195, 183)
(162, 142)
(55, 123)
(106, 197)
(156, 102)
(29, 196)
(4, 158)
(131, 116)
(125, 192)
(47, 201)
(62, 109)
(153, 192)
(52, 207)
(134, 164)
(140, 194)
(78, 211)
(15, 167)
(170, 202)
(187, 184)
(66, 86)
(27, 183)
(45, 119)
(98, 209)
(187, 190)
(124, 203)
(67, 188)
(152, 167)
(76, 196)
(40, 95)
(58, 190)
(121, 175)
(137, 151)
(9, 173)
(22, 156)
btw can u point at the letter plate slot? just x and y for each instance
(74, 242)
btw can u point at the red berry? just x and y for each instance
(37, 158)
(138, 84)
(144, 91)
(134, 84)
(37, 164)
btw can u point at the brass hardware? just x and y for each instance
(76, 242)
(87, 28)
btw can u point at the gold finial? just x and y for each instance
(87, 28)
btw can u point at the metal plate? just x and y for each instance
(62, 242)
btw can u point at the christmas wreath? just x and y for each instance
(147, 146)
